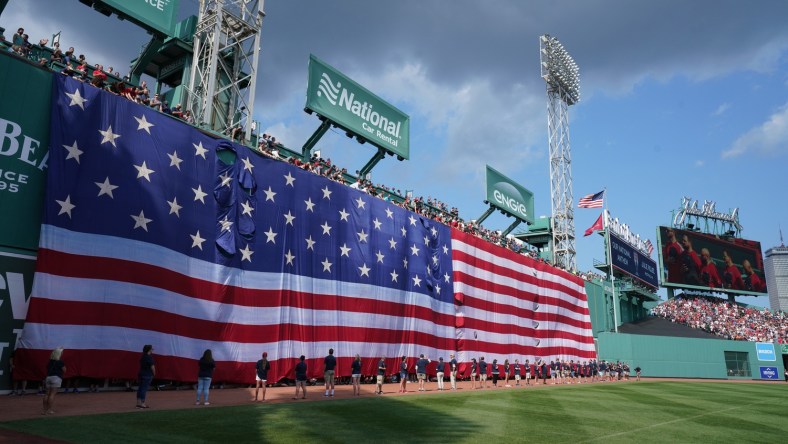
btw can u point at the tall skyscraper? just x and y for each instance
(776, 266)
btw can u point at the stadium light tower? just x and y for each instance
(562, 75)
(224, 67)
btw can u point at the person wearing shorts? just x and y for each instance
(300, 377)
(355, 375)
(474, 367)
(403, 374)
(381, 375)
(330, 364)
(261, 374)
(421, 371)
(517, 373)
(482, 373)
(527, 372)
(55, 370)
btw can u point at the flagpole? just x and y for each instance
(610, 259)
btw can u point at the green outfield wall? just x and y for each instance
(663, 356)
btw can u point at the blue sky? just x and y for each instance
(678, 98)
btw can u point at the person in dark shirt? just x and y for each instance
(421, 371)
(300, 377)
(495, 373)
(453, 372)
(506, 370)
(204, 376)
(439, 372)
(145, 375)
(517, 371)
(637, 373)
(474, 369)
(355, 375)
(55, 370)
(330, 363)
(482, 373)
(261, 374)
(403, 374)
(527, 372)
(381, 376)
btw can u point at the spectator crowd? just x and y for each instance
(726, 319)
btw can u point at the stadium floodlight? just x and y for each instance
(562, 76)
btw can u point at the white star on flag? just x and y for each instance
(270, 235)
(143, 123)
(174, 207)
(389, 213)
(309, 205)
(380, 256)
(77, 99)
(73, 151)
(362, 236)
(246, 254)
(344, 250)
(199, 150)
(269, 194)
(226, 224)
(226, 180)
(289, 179)
(364, 270)
(289, 218)
(326, 228)
(248, 164)
(377, 223)
(141, 221)
(289, 257)
(108, 136)
(247, 209)
(394, 276)
(343, 215)
(106, 188)
(414, 250)
(360, 203)
(326, 265)
(326, 193)
(143, 171)
(412, 220)
(310, 244)
(197, 240)
(175, 160)
(416, 281)
(199, 194)
(66, 206)
(392, 244)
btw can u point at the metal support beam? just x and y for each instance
(485, 215)
(372, 162)
(306, 152)
(511, 227)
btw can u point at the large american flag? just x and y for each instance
(156, 233)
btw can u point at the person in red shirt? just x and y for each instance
(690, 263)
(732, 274)
(672, 254)
(708, 273)
(753, 282)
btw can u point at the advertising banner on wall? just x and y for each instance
(24, 138)
(632, 261)
(694, 260)
(769, 373)
(335, 96)
(158, 14)
(16, 283)
(509, 196)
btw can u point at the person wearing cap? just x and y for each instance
(145, 375)
(300, 377)
(261, 374)
(439, 372)
(453, 372)
(330, 363)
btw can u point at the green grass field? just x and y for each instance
(664, 412)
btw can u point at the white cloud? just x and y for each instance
(770, 138)
(700, 163)
(721, 109)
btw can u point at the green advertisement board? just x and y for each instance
(509, 196)
(335, 96)
(16, 283)
(24, 137)
(157, 14)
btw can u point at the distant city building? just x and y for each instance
(777, 277)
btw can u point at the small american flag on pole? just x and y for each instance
(592, 200)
